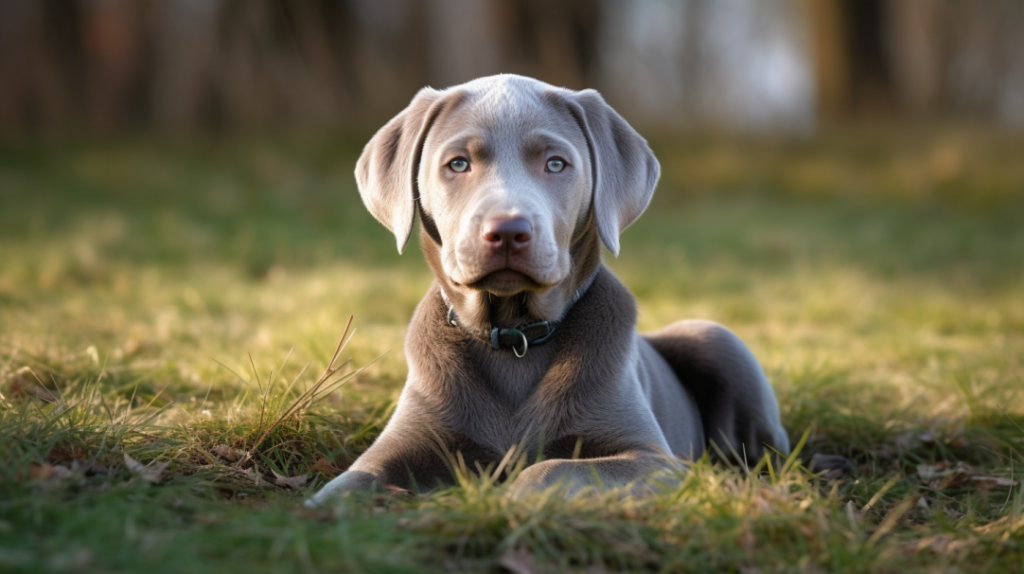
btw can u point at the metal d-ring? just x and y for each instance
(526, 345)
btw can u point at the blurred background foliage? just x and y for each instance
(764, 66)
(842, 186)
(212, 143)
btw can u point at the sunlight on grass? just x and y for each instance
(137, 281)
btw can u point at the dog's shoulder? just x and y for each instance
(604, 316)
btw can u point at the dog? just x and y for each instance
(525, 340)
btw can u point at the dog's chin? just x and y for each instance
(506, 282)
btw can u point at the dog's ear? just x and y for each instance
(387, 170)
(625, 170)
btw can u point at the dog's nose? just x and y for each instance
(512, 233)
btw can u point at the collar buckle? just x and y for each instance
(509, 334)
(514, 337)
(523, 336)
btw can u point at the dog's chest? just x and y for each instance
(508, 401)
(510, 380)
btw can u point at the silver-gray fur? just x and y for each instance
(518, 183)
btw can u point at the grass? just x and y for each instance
(175, 300)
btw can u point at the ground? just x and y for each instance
(160, 302)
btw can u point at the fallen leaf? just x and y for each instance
(1003, 525)
(517, 561)
(958, 441)
(992, 481)
(325, 468)
(85, 468)
(47, 471)
(40, 471)
(228, 453)
(933, 471)
(251, 475)
(292, 482)
(25, 383)
(853, 514)
(906, 440)
(150, 472)
(943, 476)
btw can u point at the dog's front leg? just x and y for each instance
(641, 471)
(375, 470)
(404, 457)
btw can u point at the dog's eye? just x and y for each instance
(556, 164)
(459, 164)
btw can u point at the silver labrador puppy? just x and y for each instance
(525, 339)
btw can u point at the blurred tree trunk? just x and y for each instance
(551, 41)
(184, 62)
(851, 57)
(918, 48)
(112, 47)
(390, 62)
(18, 28)
(986, 60)
(41, 65)
(648, 50)
(198, 65)
(463, 43)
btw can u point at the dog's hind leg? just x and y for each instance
(737, 405)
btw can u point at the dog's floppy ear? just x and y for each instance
(387, 170)
(625, 170)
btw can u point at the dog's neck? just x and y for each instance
(517, 310)
(512, 310)
(479, 311)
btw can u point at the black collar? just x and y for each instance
(520, 336)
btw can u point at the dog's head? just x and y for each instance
(514, 179)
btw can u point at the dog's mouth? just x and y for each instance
(506, 282)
